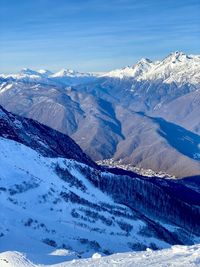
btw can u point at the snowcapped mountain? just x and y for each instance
(25, 75)
(45, 73)
(29, 72)
(176, 67)
(70, 73)
(136, 71)
(72, 77)
(63, 77)
(56, 201)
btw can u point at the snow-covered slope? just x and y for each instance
(176, 256)
(48, 203)
(49, 199)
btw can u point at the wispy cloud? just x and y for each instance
(102, 33)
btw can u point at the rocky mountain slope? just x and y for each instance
(121, 110)
(41, 138)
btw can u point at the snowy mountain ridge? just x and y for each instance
(70, 73)
(137, 70)
(64, 76)
(177, 67)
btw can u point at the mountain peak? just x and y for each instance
(176, 56)
(177, 53)
(65, 72)
(27, 71)
(144, 61)
(143, 65)
(69, 73)
(45, 72)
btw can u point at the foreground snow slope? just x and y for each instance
(51, 211)
(48, 204)
(176, 256)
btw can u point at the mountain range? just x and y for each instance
(145, 115)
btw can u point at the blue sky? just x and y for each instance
(94, 35)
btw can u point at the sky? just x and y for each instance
(94, 35)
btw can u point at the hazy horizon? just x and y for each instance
(78, 70)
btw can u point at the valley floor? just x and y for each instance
(180, 256)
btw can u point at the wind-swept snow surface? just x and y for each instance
(176, 256)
